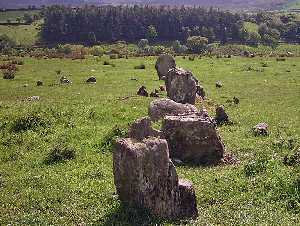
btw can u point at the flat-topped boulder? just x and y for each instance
(194, 137)
(159, 108)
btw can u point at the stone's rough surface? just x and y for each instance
(261, 128)
(39, 83)
(64, 80)
(194, 137)
(142, 91)
(181, 85)
(219, 84)
(163, 64)
(142, 128)
(200, 91)
(92, 79)
(146, 178)
(188, 198)
(25, 85)
(221, 116)
(159, 108)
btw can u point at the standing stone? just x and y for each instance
(163, 64)
(194, 137)
(221, 115)
(159, 108)
(146, 178)
(181, 85)
(142, 91)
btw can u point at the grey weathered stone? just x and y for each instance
(146, 178)
(181, 85)
(261, 128)
(142, 128)
(142, 91)
(194, 137)
(162, 88)
(92, 79)
(163, 64)
(25, 85)
(159, 108)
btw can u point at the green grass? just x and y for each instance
(251, 26)
(11, 14)
(22, 34)
(85, 118)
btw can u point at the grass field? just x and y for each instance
(13, 15)
(84, 119)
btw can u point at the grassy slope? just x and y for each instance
(260, 190)
(11, 14)
(22, 34)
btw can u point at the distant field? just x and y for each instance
(251, 26)
(11, 14)
(22, 34)
(290, 7)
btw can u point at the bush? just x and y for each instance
(59, 153)
(29, 122)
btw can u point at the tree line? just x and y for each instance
(132, 23)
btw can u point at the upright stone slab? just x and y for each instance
(194, 137)
(181, 85)
(146, 178)
(163, 64)
(159, 108)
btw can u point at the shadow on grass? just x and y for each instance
(122, 215)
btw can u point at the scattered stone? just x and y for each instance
(142, 128)
(33, 98)
(142, 91)
(25, 85)
(159, 108)
(157, 91)
(289, 54)
(64, 80)
(39, 83)
(261, 128)
(163, 64)
(236, 100)
(92, 79)
(162, 88)
(194, 137)
(8, 75)
(133, 79)
(153, 94)
(219, 84)
(181, 85)
(280, 59)
(145, 177)
(221, 116)
(200, 91)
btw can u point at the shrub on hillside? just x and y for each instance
(59, 153)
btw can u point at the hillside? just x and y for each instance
(222, 4)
